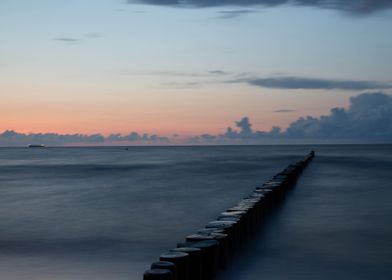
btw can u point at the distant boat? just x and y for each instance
(36, 146)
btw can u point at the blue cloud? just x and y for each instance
(311, 83)
(358, 7)
(67, 40)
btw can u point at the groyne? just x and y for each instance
(202, 254)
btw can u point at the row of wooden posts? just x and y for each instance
(208, 250)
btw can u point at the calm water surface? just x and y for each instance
(107, 213)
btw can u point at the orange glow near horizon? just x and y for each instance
(154, 111)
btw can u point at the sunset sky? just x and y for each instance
(116, 66)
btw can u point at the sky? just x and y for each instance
(185, 71)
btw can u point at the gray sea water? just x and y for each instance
(107, 213)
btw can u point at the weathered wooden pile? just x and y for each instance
(205, 252)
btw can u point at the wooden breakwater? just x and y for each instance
(205, 252)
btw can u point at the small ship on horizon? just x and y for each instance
(36, 146)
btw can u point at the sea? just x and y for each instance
(99, 213)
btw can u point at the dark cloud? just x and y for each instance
(73, 40)
(358, 7)
(12, 138)
(369, 116)
(245, 127)
(217, 72)
(234, 13)
(311, 83)
(134, 136)
(368, 119)
(284, 111)
(243, 133)
(67, 40)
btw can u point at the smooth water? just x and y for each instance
(107, 213)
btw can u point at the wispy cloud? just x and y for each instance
(284, 111)
(210, 73)
(183, 80)
(183, 85)
(218, 72)
(311, 83)
(75, 40)
(68, 40)
(234, 13)
(357, 7)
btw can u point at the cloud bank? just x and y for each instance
(368, 119)
(358, 7)
(12, 138)
(289, 82)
